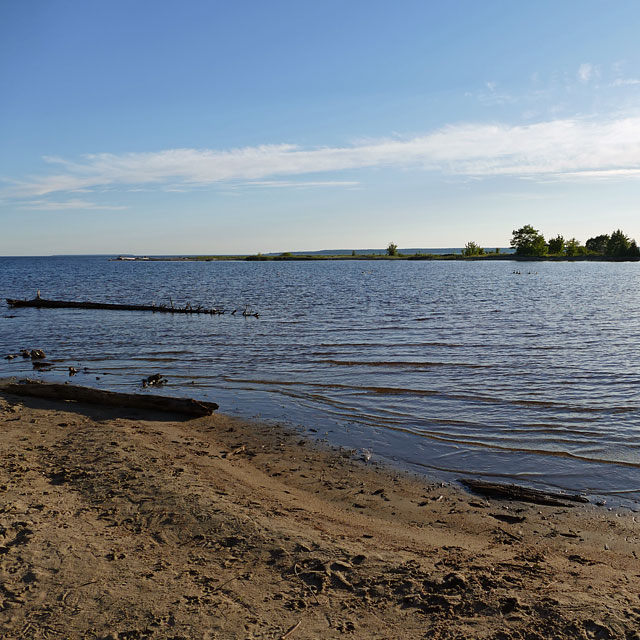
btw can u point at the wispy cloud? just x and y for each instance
(568, 148)
(587, 72)
(49, 205)
(621, 77)
(492, 95)
(604, 174)
(303, 185)
(625, 82)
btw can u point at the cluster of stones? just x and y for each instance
(34, 354)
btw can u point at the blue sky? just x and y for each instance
(244, 126)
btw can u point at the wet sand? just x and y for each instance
(130, 524)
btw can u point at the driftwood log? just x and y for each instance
(41, 303)
(522, 494)
(53, 391)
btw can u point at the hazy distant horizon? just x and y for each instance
(336, 252)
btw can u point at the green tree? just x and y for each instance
(598, 244)
(472, 249)
(392, 249)
(528, 241)
(572, 247)
(618, 244)
(556, 245)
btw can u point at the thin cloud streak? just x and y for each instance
(300, 185)
(561, 148)
(46, 205)
(625, 82)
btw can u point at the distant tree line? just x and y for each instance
(528, 241)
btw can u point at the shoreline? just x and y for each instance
(217, 527)
(400, 257)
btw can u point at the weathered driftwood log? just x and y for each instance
(41, 303)
(523, 494)
(54, 391)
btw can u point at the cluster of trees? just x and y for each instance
(472, 249)
(617, 244)
(528, 241)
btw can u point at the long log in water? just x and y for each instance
(53, 391)
(41, 303)
(522, 494)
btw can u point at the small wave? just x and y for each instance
(393, 345)
(470, 397)
(150, 359)
(405, 363)
(349, 330)
(526, 450)
(177, 352)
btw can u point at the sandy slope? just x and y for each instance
(124, 525)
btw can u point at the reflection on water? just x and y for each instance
(447, 367)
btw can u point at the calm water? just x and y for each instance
(450, 368)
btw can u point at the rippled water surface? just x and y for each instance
(452, 368)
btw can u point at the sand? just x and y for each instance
(124, 524)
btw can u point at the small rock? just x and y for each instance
(154, 380)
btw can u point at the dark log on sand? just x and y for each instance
(54, 391)
(41, 303)
(522, 494)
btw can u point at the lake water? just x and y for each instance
(452, 369)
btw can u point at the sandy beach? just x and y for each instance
(125, 524)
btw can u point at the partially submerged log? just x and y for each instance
(41, 303)
(522, 494)
(53, 391)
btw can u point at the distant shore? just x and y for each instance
(126, 523)
(294, 257)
